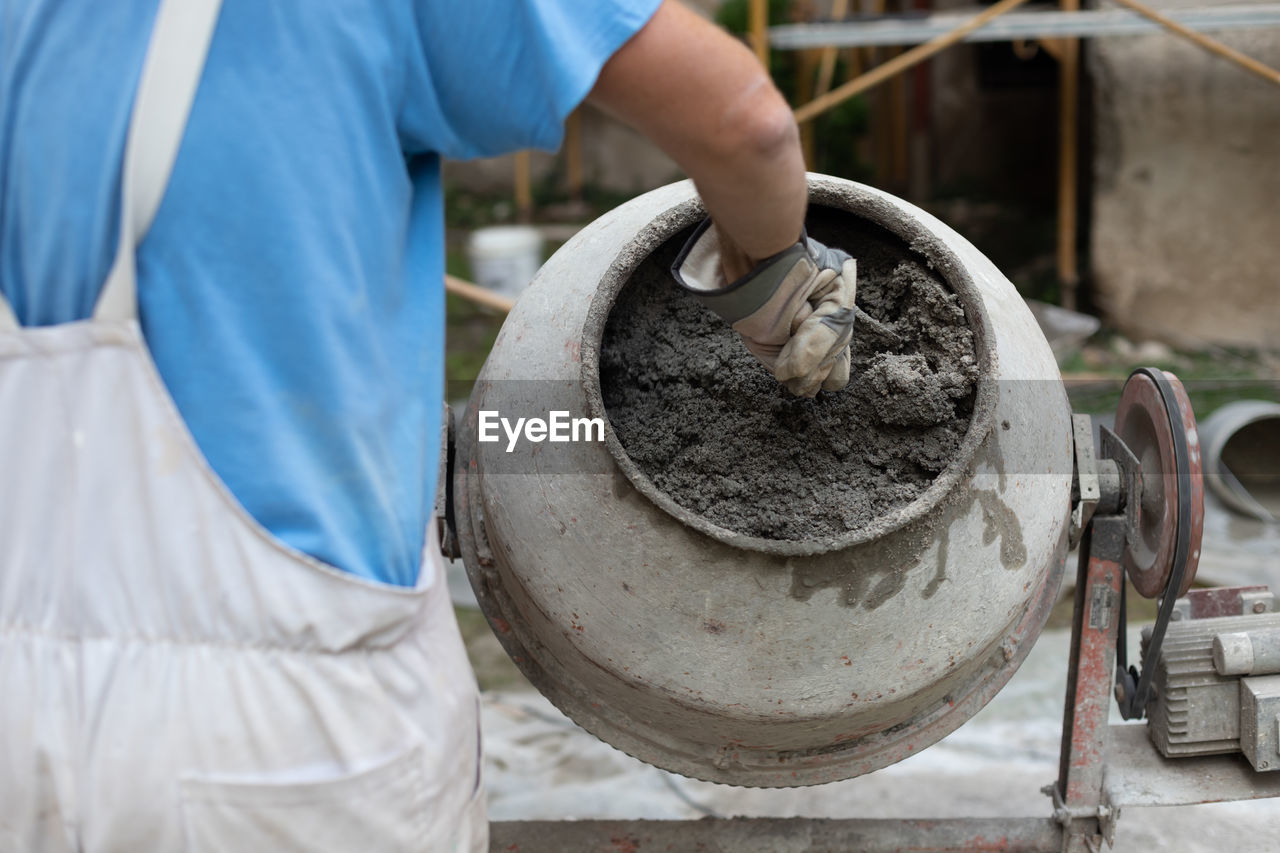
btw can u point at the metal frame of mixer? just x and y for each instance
(1150, 537)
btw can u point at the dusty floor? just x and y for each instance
(541, 766)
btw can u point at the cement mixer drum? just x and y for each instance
(733, 655)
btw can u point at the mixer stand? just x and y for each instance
(1137, 514)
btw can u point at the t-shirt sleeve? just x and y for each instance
(490, 76)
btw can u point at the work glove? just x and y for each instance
(794, 310)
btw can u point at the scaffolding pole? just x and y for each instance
(1068, 136)
(902, 62)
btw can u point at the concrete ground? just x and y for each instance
(542, 766)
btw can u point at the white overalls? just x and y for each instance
(171, 676)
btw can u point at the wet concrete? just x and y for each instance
(709, 426)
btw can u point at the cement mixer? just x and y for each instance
(665, 614)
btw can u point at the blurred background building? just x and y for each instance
(1173, 234)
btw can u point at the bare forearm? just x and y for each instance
(759, 215)
(702, 97)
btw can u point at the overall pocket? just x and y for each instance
(389, 808)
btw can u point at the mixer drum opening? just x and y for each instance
(704, 425)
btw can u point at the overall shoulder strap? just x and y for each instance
(8, 321)
(170, 76)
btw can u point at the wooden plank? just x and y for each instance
(767, 835)
(827, 63)
(523, 185)
(573, 155)
(478, 295)
(908, 29)
(1068, 136)
(758, 29)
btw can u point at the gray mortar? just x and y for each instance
(708, 425)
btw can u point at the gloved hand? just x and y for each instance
(794, 310)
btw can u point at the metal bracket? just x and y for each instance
(1105, 813)
(1086, 465)
(1079, 798)
(1111, 447)
(1108, 816)
(1224, 601)
(1257, 601)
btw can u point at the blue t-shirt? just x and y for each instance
(291, 286)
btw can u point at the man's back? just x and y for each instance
(289, 287)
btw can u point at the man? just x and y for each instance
(218, 628)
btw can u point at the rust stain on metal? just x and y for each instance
(1093, 684)
(1220, 601)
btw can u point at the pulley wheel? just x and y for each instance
(1155, 421)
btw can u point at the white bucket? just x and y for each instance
(505, 258)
